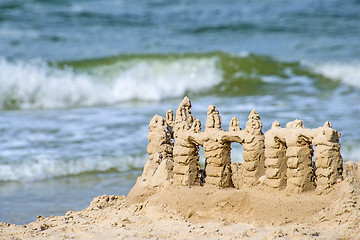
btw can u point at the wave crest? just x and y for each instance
(348, 73)
(37, 85)
(45, 167)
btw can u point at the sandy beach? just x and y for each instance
(94, 142)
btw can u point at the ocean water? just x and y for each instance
(80, 81)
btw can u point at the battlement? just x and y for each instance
(282, 158)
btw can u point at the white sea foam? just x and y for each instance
(45, 167)
(34, 85)
(350, 151)
(348, 73)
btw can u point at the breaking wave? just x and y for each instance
(37, 85)
(40, 85)
(348, 73)
(45, 167)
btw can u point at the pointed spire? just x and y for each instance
(234, 125)
(212, 110)
(328, 124)
(254, 115)
(196, 127)
(254, 123)
(170, 119)
(183, 113)
(213, 118)
(186, 102)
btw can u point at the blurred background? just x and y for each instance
(80, 81)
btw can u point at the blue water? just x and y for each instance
(80, 81)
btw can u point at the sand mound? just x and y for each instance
(208, 212)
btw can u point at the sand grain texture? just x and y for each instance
(208, 212)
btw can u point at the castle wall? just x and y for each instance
(282, 158)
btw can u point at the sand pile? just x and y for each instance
(181, 212)
(279, 191)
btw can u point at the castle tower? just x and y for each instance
(253, 153)
(217, 152)
(275, 157)
(328, 160)
(186, 153)
(159, 166)
(159, 138)
(300, 170)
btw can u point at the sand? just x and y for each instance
(208, 212)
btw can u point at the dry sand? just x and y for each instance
(208, 212)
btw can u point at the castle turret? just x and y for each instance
(253, 145)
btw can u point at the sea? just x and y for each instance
(80, 81)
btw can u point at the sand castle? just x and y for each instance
(282, 158)
(175, 199)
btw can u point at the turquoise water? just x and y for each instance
(80, 81)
